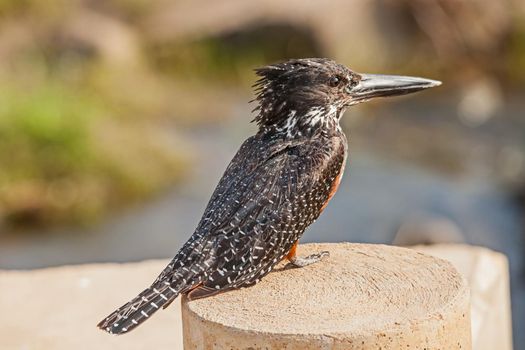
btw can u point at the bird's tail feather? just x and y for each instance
(138, 310)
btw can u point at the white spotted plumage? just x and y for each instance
(274, 188)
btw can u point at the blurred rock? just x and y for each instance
(511, 165)
(424, 229)
(344, 29)
(15, 36)
(459, 27)
(481, 99)
(114, 40)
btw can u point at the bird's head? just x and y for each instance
(301, 96)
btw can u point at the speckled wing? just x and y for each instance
(271, 191)
(260, 208)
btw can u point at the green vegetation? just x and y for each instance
(69, 152)
(516, 57)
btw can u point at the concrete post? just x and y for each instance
(361, 297)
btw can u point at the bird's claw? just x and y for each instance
(308, 260)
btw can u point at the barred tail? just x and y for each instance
(138, 310)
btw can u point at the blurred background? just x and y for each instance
(118, 117)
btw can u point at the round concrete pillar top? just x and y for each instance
(361, 296)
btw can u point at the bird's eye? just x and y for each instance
(334, 81)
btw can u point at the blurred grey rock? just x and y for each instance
(425, 229)
(481, 99)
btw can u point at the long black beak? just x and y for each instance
(379, 85)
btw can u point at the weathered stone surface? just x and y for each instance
(58, 308)
(487, 273)
(361, 297)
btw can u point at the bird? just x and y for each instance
(278, 183)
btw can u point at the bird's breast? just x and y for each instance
(335, 169)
